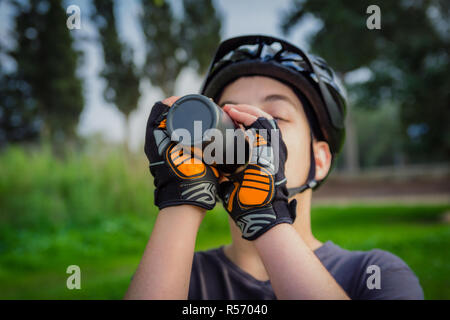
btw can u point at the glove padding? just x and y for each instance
(177, 178)
(257, 198)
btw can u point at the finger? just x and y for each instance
(255, 111)
(171, 100)
(241, 117)
(222, 178)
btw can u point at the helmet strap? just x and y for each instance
(310, 181)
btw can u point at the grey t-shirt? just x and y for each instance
(214, 276)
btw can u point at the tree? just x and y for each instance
(119, 71)
(46, 71)
(408, 59)
(19, 120)
(173, 42)
(200, 33)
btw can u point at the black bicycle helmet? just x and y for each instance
(310, 77)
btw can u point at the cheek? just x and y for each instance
(297, 143)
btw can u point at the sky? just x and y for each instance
(239, 17)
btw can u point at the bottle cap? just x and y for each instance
(188, 109)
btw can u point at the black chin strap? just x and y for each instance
(310, 181)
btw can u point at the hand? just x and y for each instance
(179, 177)
(256, 198)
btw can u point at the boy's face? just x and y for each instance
(280, 101)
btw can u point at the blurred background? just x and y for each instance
(74, 182)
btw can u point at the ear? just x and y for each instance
(322, 156)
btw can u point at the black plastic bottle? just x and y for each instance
(195, 107)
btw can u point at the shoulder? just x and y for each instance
(373, 274)
(381, 258)
(395, 280)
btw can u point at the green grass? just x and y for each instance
(96, 211)
(414, 233)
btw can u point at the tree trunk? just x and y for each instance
(126, 139)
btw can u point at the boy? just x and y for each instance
(262, 83)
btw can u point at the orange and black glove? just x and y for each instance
(177, 177)
(257, 198)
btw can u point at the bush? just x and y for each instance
(42, 193)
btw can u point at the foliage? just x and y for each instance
(376, 129)
(19, 118)
(41, 92)
(408, 59)
(174, 42)
(119, 71)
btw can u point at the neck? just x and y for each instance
(243, 253)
